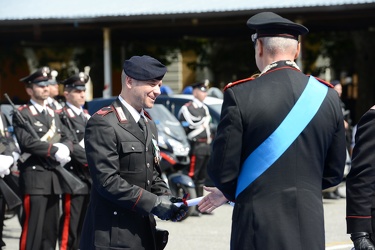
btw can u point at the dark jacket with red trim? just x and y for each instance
(36, 175)
(282, 209)
(78, 165)
(126, 181)
(360, 182)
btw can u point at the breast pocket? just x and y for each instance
(132, 159)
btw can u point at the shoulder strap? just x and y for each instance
(279, 141)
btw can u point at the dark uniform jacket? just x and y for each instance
(7, 145)
(281, 209)
(36, 175)
(78, 165)
(126, 181)
(360, 182)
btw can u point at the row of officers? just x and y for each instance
(50, 136)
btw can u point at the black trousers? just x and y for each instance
(74, 211)
(40, 222)
(200, 154)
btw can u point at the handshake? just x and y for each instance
(166, 210)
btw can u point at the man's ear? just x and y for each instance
(298, 50)
(259, 47)
(29, 91)
(129, 81)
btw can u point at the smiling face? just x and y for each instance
(141, 94)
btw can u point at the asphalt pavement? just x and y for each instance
(213, 231)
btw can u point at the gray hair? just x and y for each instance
(279, 45)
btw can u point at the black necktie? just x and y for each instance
(83, 117)
(44, 112)
(142, 125)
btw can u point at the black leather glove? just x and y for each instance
(166, 210)
(362, 241)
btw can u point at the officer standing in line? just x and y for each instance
(195, 118)
(74, 117)
(123, 156)
(39, 183)
(7, 147)
(53, 92)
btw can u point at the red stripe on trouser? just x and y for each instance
(25, 227)
(192, 166)
(65, 231)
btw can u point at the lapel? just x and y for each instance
(127, 122)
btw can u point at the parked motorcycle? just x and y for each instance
(174, 152)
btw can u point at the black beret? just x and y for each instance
(40, 77)
(76, 81)
(269, 24)
(144, 68)
(201, 85)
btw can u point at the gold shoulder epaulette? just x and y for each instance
(231, 84)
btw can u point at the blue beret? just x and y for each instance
(76, 81)
(144, 68)
(270, 24)
(40, 77)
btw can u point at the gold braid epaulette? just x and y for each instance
(231, 84)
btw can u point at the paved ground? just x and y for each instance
(213, 231)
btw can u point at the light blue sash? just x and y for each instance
(278, 142)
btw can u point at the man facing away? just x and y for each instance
(276, 186)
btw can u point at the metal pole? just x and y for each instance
(107, 91)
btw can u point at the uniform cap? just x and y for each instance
(76, 81)
(201, 85)
(144, 68)
(269, 24)
(41, 77)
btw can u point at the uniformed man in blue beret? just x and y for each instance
(123, 157)
(280, 141)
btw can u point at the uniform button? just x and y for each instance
(148, 165)
(146, 149)
(148, 182)
(71, 167)
(40, 129)
(115, 213)
(133, 148)
(34, 167)
(77, 131)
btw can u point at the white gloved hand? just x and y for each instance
(6, 162)
(16, 156)
(62, 154)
